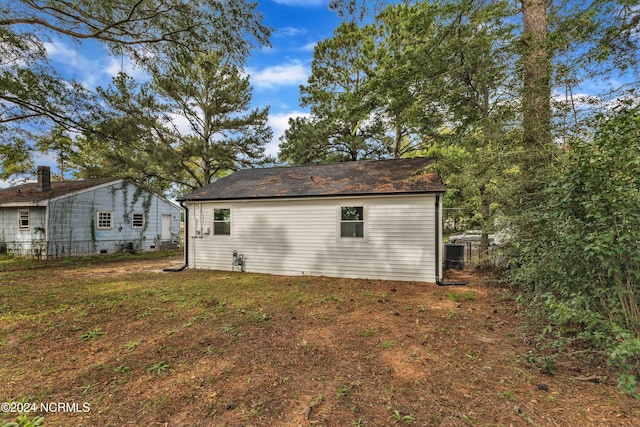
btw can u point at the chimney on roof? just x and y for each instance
(44, 178)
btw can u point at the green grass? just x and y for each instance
(159, 367)
(388, 345)
(459, 297)
(92, 334)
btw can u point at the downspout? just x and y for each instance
(437, 239)
(186, 242)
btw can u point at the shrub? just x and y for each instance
(583, 268)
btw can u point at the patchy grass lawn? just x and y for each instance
(122, 343)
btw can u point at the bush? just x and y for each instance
(583, 268)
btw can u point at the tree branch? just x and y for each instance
(96, 35)
(21, 117)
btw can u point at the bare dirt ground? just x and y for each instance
(197, 348)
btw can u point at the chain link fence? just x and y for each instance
(461, 254)
(45, 249)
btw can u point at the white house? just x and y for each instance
(368, 219)
(84, 217)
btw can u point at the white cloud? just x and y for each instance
(181, 124)
(46, 159)
(74, 63)
(280, 123)
(301, 2)
(90, 72)
(116, 65)
(292, 74)
(309, 47)
(289, 32)
(56, 49)
(576, 100)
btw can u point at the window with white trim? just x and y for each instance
(222, 222)
(105, 220)
(23, 219)
(352, 221)
(137, 220)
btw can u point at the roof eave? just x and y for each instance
(87, 189)
(30, 204)
(318, 196)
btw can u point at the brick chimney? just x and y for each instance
(44, 178)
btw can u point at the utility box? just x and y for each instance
(454, 255)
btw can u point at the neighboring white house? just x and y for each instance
(84, 217)
(368, 219)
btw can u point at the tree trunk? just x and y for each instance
(485, 200)
(536, 99)
(398, 146)
(536, 112)
(206, 172)
(485, 211)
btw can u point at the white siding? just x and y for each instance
(301, 237)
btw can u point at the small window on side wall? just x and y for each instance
(222, 222)
(23, 219)
(352, 221)
(104, 221)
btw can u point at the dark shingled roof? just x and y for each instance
(29, 194)
(339, 179)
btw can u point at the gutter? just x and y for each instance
(186, 243)
(284, 197)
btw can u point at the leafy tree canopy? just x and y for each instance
(184, 128)
(340, 102)
(153, 33)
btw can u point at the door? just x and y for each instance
(166, 228)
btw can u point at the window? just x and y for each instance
(23, 219)
(137, 220)
(222, 222)
(352, 221)
(105, 221)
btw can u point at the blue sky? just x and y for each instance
(276, 72)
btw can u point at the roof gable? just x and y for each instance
(28, 194)
(398, 176)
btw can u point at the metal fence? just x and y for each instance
(52, 249)
(469, 254)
